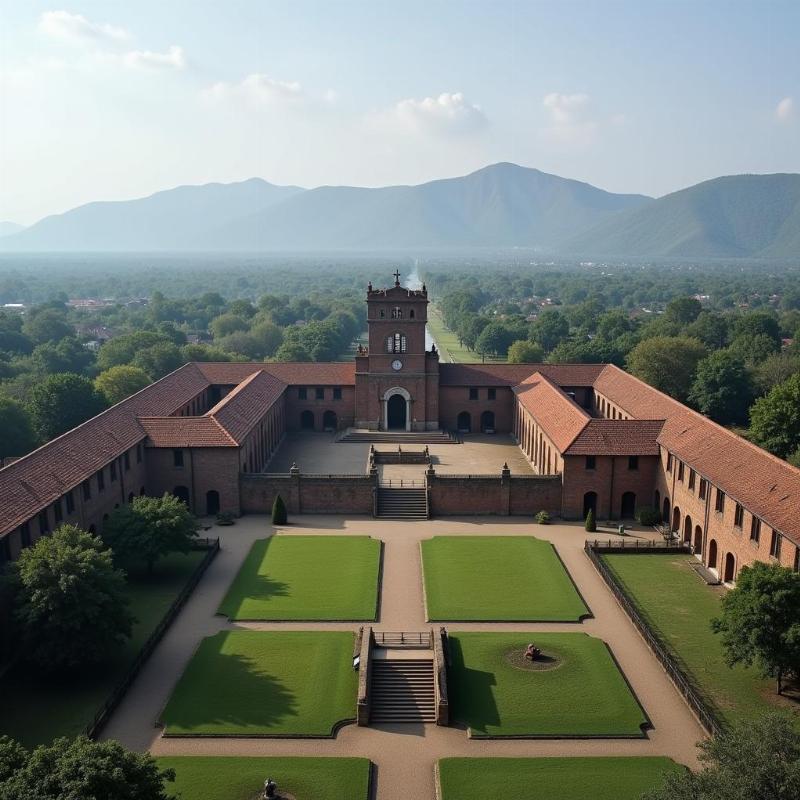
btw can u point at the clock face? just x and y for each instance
(397, 364)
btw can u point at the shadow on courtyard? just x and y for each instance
(471, 693)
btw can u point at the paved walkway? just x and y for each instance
(405, 755)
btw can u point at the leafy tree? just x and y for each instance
(279, 515)
(525, 352)
(722, 388)
(292, 351)
(683, 311)
(758, 322)
(471, 329)
(754, 760)
(159, 360)
(45, 325)
(268, 336)
(754, 350)
(775, 419)
(710, 328)
(775, 369)
(225, 324)
(62, 401)
(240, 342)
(495, 339)
(70, 606)
(117, 383)
(123, 349)
(760, 620)
(668, 363)
(550, 328)
(589, 524)
(67, 355)
(203, 352)
(149, 528)
(73, 769)
(17, 436)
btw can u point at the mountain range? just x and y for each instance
(502, 205)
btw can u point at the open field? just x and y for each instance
(679, 607)
(307, 578)
(221, 778)
(259, 683)
(583, 694)
(563, 778)
(498, 578)
(35, 710)
(447, 342)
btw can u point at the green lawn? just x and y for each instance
(226, 778)
(585, 696)
(557, 778)
(498, 578)
(265, 683)
(679, 606)
(35, 710)
(307, 578)
(448, 344)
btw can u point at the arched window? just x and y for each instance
(396, 343)
(397, 313)
(383, 313)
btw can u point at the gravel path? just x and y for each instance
(405, 755)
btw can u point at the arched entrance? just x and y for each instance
(307, 420)
(182, 493)
(487, 422)
(464, 422)
(687, 529)
(657, 500)
(212, 502)
(665, 510)
(712, 554)
(397, 410)
(698, 539)
(676, 519)
(590, 504)
(329, 421)
(730, 568)
(628, 505)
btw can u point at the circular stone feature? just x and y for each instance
(546, 661)
(281, 795)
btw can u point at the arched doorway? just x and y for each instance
(212, 502)
(307, 420)
(730, 568)
(182, 493)
(487, 422)
(657, 500)
(665, 510)
(676, 519)
(590, 504)
(712, 554)
(329, 421)
(397, 410)
(687, 529)
(628, 505)
(698, 539)
(464, 422)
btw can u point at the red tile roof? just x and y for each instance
(246, 405)
(617, 437)
(513, 374)
(333, 373)
(186, 432)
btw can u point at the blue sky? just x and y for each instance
(112, 100)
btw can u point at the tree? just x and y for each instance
(61, 402)
(70, 606)
(149, 528)
(775, 419)
(754, 350)
(292, 351)
(550, 328)
(69, 769)
(123, 349)
(760, 620)
(117, 383)
(225, 324)
(682, 311)
(279, 515)
(525, 352)
(754, 760)
(46, 325)
(268, 336)
(495, 339)
(17, 436)
(589, 524)
(667, 362)
(159, 360)
(756, 323)
(722, 388)
(710, 328)
(67, 355)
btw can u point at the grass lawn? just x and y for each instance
(611, 778)
(35, 710)
(265, 683)
(227, 778)
(586, 695)
(679, 607)
(498, 578)
(307, 578)
(448, 345)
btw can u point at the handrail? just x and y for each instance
(403, 638)
(402, 483)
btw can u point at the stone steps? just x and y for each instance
(402, 691)
(402, 503)
(353, 436)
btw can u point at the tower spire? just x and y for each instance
(397, 277)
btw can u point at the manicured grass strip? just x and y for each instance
(34, 709)
(563, 778)
(498, 578)
(265, 683)
(585, 696)
(307, 578)
(448, 343)
(679, 607)
(227, 778)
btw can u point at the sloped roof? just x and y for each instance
(329, 373)
(617, 437)
(186, 432)
(240, 410)
(513, 374)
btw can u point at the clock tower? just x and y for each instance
(397, 380)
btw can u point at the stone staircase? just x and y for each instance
(357, 436)
(402, 690)
(405, 503)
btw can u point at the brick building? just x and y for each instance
(609, 442)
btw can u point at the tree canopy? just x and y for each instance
(775, 419)
(121, 381)
(17, 436)
(61, 402)
(668, 363)
(722, 388)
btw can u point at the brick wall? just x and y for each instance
(454, 495)
(344, 409)
(308, 494)
(455, 399)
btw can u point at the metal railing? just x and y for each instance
(115, 698)
(414, 639)
(402, 483)
(642, 545)
(694, 697)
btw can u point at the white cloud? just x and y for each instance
(570, 121)
(75, 27)
(785, 109)
(174, 58)
(449, 113)
(258, 90)
(565, 109)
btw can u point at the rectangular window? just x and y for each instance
(101, 480)
(473, 392)
(719, 501)
(691, 480)
(738, 516)
(70, 503)
(87, 490)
(680, 470)
(590, 462)
(775, 545)
(702, 489)
(57, 511)
(669, 462)
(319, 393)
(44, 523)
(113, 470)
(127, 461)
(633, 462)
(492, 393)
(177, 458)
(337, 393)
(302, 393)
(755, 529)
